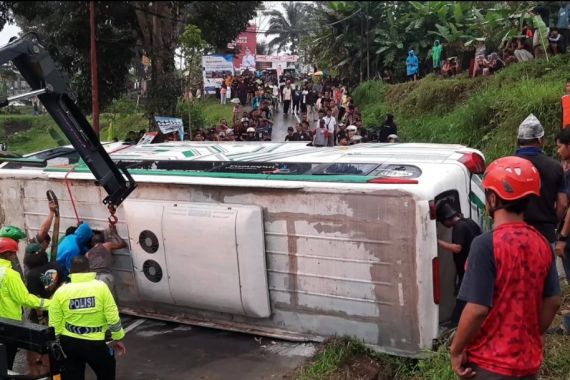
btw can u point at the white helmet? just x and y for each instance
(351, 128)
(250, 130)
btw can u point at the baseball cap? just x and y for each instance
(530, 128)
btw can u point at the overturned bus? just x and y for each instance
(275, 239)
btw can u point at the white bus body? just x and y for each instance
(294, 256)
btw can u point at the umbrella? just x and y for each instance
(235, 101)
(318, 73)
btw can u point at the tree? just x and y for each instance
(124, 30)
(161, 23)
(288, 27)
(262, 48)
(64, 28)
(193, 47)
(357, 37)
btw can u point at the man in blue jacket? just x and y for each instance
(74, 245)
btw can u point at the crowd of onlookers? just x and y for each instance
(321, 110)
(535, 40)
(322, 114)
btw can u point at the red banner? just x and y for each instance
(245, 49)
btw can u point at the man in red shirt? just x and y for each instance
(565, 104)
(510, 286)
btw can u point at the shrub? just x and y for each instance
(483, 112)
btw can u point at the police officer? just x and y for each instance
(81, 312)
(13, 292)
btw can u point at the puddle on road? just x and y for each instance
(286, 349)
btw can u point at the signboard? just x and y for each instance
(147, 138)
(264, 65)
(277, 58)
(215, 68)
(170, 124)
(245, 48)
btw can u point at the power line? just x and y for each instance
(346, 18)
(147, 11)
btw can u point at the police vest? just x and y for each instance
(85, 309)
(14, 295)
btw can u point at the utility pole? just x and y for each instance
(94, 80)
(367, 42)
(361, 47)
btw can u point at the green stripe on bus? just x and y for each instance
(275, 177)
(475, 199)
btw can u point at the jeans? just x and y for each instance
(286, 104)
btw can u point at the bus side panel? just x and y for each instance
(340, 261)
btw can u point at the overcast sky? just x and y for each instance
(260, 20)
(9, 31)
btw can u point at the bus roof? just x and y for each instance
(289, 152)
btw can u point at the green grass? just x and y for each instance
(41, 132)
(330, 362)
(34, 134)
(483, 113)
(336, 353)
(215, 111)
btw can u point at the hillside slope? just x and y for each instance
(483, 112)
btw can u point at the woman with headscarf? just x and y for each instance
(436, 53)
(412, 65)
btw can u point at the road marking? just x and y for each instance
(134, 325)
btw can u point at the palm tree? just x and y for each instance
(288, 26)
(262, 48)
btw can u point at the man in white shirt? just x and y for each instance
(330, 123)
(287, 91)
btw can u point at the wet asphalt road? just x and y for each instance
(281, 123)
(158, 350)
(164, 350)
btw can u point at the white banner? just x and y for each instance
(214, 69)
(277, 58)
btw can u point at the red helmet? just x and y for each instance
(8, 245)
(512, 178)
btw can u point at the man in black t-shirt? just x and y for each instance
(544, 212)
(42, 277)
(464, 230)
(389, 128)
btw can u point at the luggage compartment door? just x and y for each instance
(216, 257)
